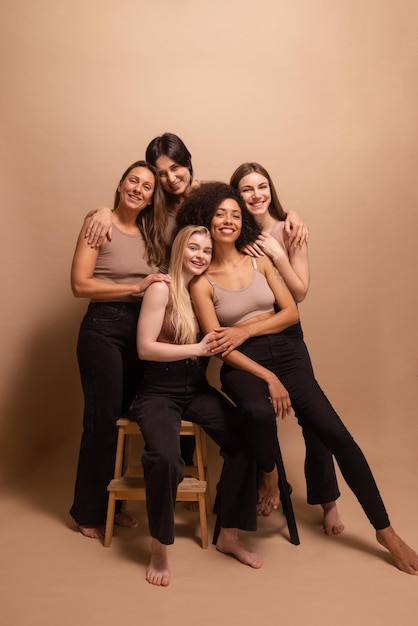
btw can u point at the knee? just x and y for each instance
(341, 441)
(258, 414)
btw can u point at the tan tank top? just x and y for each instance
(278, 233)
(123, 260)
(236, 305)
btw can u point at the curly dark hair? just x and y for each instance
(202, 203)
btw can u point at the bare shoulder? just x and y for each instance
(267, 267)
(159, 287)
(200, 284)
(157, 293)
(264, 263)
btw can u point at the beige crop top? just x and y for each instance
(236, 305)
(123, 260)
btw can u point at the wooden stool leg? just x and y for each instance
(202, 475)
(206, 470)
(119, 452)
(110, 519)
(207, 496)
(202, 460)
(203, 521)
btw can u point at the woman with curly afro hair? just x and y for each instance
(262, 371)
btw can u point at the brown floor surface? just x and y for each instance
(52, 576)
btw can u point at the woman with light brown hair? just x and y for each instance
(256, 188)
(114, 277)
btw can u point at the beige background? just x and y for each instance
(324, 93)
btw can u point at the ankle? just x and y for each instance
(228, 534)
(328, 506)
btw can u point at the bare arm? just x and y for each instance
(231, 337)
(292, 263)
(296, 273)
(150, 323)
(83, 283)
(99, 226)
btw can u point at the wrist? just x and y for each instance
(277, 258)
(269, 377)
(137, 289)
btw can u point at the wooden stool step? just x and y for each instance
(133, 488)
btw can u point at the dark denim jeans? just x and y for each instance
(168, 393)
(110, 373)
(278, 354)
(321, 480)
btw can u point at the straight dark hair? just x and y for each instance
(172, 146)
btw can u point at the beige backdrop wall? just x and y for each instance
(322, 92)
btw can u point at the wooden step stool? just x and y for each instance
(128, 482)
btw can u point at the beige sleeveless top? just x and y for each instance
(236, 305)
(123, 260)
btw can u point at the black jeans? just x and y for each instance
(110, 372)
(321, 480)
(278, 354)
(179, 390)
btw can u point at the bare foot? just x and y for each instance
(92, 532)
(157, 570)
(228, 543)
(126, 520)
(268, 493)
(332, 522)
(406, 558)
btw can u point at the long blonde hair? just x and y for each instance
(182, 315)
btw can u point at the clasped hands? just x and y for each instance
(227, 338)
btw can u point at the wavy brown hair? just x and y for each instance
(275, 209)
(151, 220)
